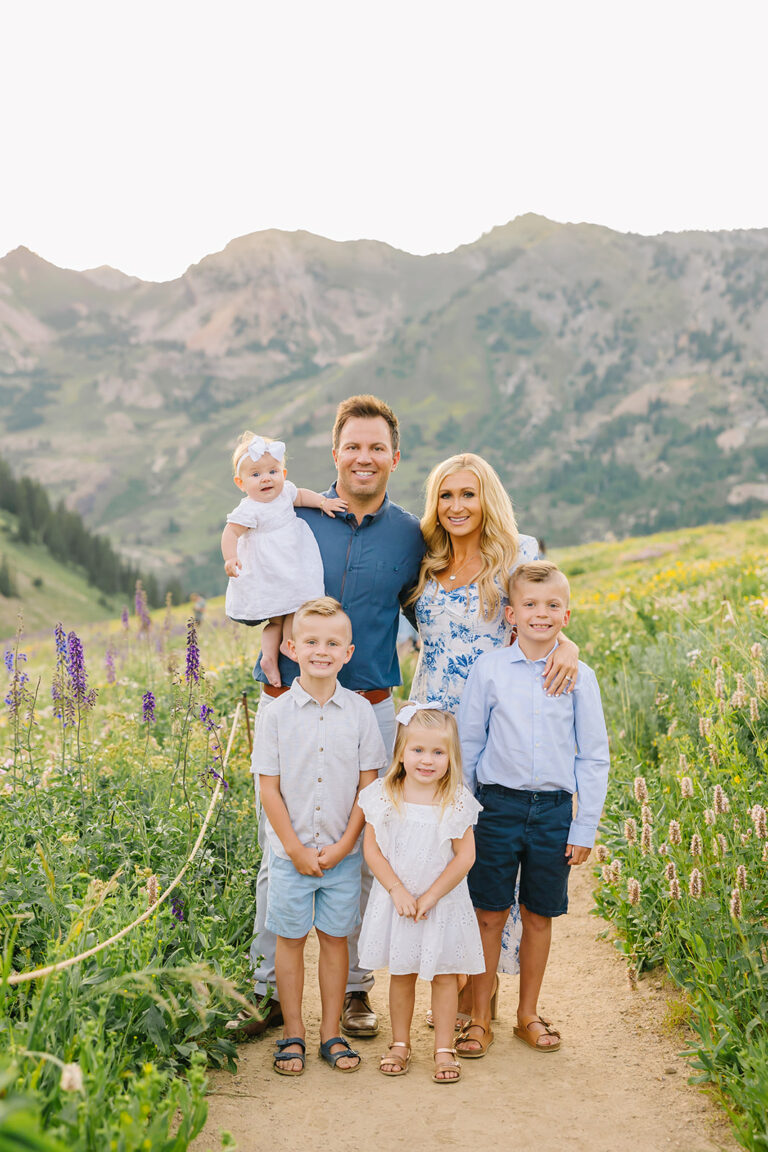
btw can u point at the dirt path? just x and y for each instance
(617, 1085)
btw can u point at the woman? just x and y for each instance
(472, 545)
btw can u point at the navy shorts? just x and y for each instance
(529, 830)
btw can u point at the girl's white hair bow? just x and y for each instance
(409, 710)
(259, 447)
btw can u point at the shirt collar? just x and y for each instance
(516, 653)
(302, 697)
(380, 511)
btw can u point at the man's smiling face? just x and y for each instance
(364, 460)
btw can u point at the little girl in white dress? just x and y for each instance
(419, 844)
(270, 555)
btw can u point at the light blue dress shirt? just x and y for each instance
(515, 735)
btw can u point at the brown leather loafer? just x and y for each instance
(269, 1015)
(358, 1018)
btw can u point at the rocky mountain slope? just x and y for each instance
(618, 382)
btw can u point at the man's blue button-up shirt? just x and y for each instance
(369, 568)
(515, 735)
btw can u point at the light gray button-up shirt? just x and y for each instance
(318, 751)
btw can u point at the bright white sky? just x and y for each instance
(147, 133)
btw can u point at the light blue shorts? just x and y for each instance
(331, 902)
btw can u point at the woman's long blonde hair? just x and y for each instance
(498, 536)
(447, 788)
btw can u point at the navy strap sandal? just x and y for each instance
(282, 1056)
(333, 1058)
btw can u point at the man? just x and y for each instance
(371, 558)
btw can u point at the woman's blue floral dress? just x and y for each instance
(453, 634)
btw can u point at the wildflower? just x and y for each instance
(601, 852)
(719, 684)
(630, 830)
(109, 664)
(177, 908)
(719, 844)
(140, 603)
(641, 789)
(663, 849)
(765, 853)
(720, 800)
(693, 656)
(739, 697)
(193, 653)
(760, 821)
(695, 884)
(607, 874)
(151, 889)
(746, 837)
(728, 616)
(697, 847)
(78, 677)
(756, 651)
(675, 835)
(633, 891)
(148, 708)
(754, 709)
(615, 868)
(124, 618)
(646, 814)
(683, 762)
(713, 757)
(670, 871)
(19, 694)
(71, 1078)
(206, 716)
(674, 888)
(686, 787)
(646, 844)
(741, 876)
(709, 816)
(705, 725)
(735, 903)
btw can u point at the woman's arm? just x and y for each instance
(329, 505)
(562, 668)
(453, 873)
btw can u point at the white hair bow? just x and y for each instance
(258, 447)
(409, 710)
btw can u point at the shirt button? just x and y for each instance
(320, 749)
(538, 743)
(317, 808)
(319, 779)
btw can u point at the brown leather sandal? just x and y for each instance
(484, 1042)
(532, 1041)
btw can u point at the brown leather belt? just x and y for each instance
(372, 695)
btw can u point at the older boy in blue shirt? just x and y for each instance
(525, 756)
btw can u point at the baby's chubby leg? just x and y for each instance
(287, 636)
(270, 649)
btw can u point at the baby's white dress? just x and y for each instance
(281, 564)
(417, 843)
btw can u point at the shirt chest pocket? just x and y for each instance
(387, 580)
(343, 748)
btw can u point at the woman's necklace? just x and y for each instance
(452, 576)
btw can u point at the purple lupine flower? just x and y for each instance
(78, 677)
(193, 652)
(177, 908)
(148, 708)
(124, 618)
(58, 682)
(18, 693)
(109, 664)
(61, 641)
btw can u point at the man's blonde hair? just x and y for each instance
(365, 407)
(537, 572)
(320, 606)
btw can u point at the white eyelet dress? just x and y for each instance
(281, 564)
(417, 843)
